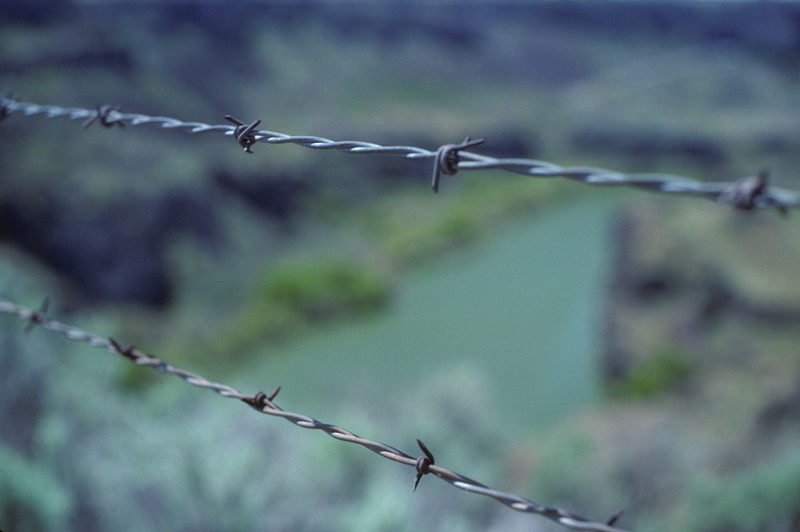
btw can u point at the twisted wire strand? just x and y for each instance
(745, 194)
(265, 404)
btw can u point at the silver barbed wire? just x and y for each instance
(751, 192)
(265, 404)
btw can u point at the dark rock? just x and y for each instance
(716, 300)
(187, 212)
(652, 286)
(396, 169)
(115, 60)
(767, 26)
(279, 198)
(113, 253)
(510, 144)
(782, 411)
(390, 25)
(34, 12)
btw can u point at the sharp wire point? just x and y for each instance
(103, 114)
(613, 519)
(38, 316)
(274, 393)
(422, 464)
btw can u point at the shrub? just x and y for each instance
(324, 290)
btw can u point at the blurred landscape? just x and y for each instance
(591, 349)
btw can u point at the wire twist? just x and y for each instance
(447, 158)
(740, 194)
(265, 404)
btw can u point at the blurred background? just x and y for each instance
(590, 349)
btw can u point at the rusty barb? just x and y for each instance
(37, 316)
(107, 114)
(423, 464)
(747, 194)
(265, 404)
(245, 135)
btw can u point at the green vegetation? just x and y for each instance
(762, 498)
(31, 499)
(665, 371)
(416, 224)
(324, 290)
(295, 295)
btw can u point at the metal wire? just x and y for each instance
(746, 194)
(265, 404)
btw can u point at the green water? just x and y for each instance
(523, 309)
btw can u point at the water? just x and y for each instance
(523, 308)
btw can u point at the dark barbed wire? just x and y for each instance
(265, 404)
(746, 194)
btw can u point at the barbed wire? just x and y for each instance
(265, 404)
(751, 192)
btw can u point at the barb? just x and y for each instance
(244, 134)
(448, 158)
(37, 316)
(4, 112)
(423, 464)
(103, 113)
(265, 404)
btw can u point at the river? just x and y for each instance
(522, 309)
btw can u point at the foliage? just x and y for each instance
(758, 499)
(31, 500)
(324, 290)
(667, 369)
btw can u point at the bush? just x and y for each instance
(31, 500)
(320, 291)
(666, 370)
